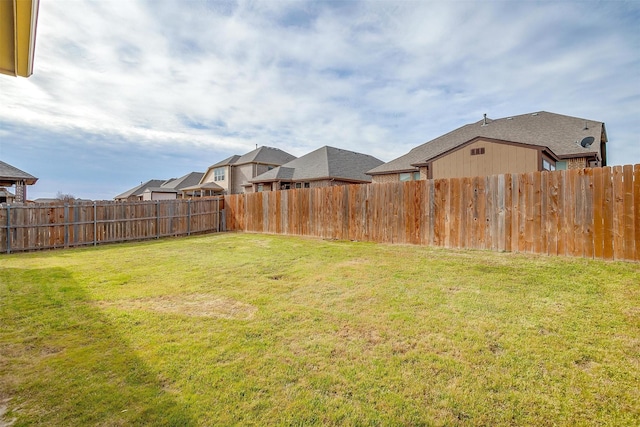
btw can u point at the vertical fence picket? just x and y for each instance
(629, 223)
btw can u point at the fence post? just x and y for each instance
(8, 228)
(217, 215)
(66, 225)
(157, 219)
(95, 224)
(189, 217)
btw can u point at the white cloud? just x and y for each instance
(378, 77)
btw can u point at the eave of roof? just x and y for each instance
(9, 173)
(18, 23)
(203, 186)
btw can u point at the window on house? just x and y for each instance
(405, 177)
(298, 185)
(260, 188)
(477, 151)
(285, 186)
(218, 174)
(416, 176)
(547, 165)
(306, 185)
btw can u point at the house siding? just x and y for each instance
(241, 175)
(155, 195)
(577, 163)
(381, 179)
(209, 177)
(496, 159)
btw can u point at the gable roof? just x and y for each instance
(203, 186)
(228, 161)
(10, 173)
(558, 133)
(138, 190)
(187, 180)
(323, 163)
(265, 155)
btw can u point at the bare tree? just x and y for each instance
(65, 197)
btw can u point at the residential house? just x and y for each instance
(172, 188)
(232, 175)
(526, 143)
(324, 167)
(12, 176)
(136, 193)
(6, 196)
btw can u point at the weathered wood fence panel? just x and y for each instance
(49, 226)
(592, 213)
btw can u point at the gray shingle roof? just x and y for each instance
(266, 155)
(188, 180)
(228, 161)
(160, 190)
(323, 163)
(556, 132)
(138, 190)
(203, 186)
(12, 173)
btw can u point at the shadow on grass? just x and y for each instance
(63, 363)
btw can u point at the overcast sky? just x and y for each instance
(126, 91)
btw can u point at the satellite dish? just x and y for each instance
(587, 141)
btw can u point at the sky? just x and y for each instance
(124, 91)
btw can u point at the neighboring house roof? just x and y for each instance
(265, 155)
(160, 190)
(323, 163)
(226, 162)
(204, 186)
(560, 134)
(9, 174)
(137, 191)
(6, 193)
(188, 180)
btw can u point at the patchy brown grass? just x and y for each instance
(197, 305)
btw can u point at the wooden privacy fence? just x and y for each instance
(48, 226)
(593, 213)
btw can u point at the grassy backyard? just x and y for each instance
(268, 330)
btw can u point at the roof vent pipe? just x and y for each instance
(585, 125)
(484, 121)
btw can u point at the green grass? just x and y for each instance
(242, 329)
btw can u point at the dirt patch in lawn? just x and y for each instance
(3, 410)
(197, 305)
